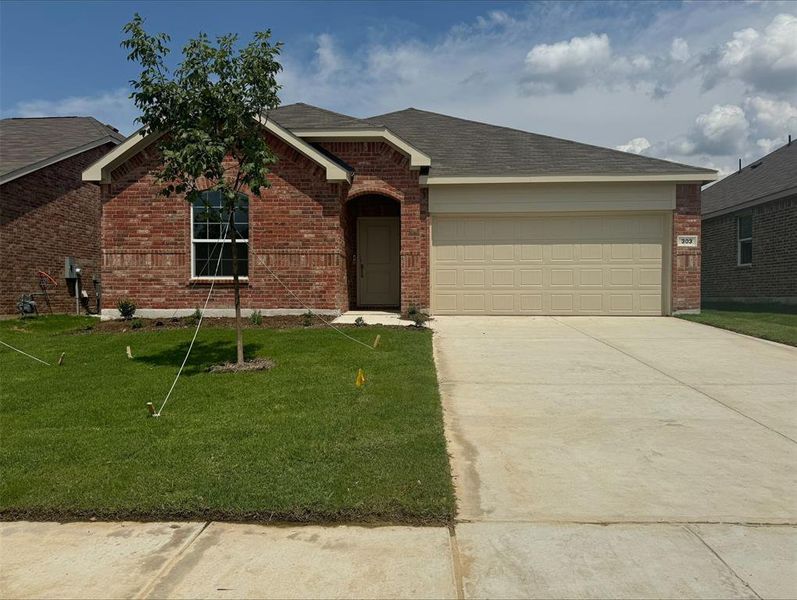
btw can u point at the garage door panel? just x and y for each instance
(473, 278)
(572, 264)
(505, 252)
(591, 252)
(473, 302)
(531, 253)
(473, 252)
(531, 278)
(531, 303)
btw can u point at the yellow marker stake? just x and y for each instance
(376, 341)
(360, 381)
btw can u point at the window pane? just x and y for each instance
(745, 253)
(207, 263)
(243, 230)
(200, 230)
(745, 226)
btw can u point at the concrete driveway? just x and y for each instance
(637, 457)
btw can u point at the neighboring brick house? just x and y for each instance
(411, 208)
(47, 212)
(750, 232)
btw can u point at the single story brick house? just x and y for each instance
(47, 212)
(750, 232)
(414, 208)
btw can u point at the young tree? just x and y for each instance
(207, 110)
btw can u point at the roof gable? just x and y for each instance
(29, 144)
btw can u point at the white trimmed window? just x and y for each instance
(744, 239)
(210, 237)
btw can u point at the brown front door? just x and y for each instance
(378, 264)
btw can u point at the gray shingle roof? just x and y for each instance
(460, 147)
(770, 177)
(304, 116)
(463, 148)
(27, 143)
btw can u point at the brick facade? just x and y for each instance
(298, 229)
(772, 277)
(46, 216)
(686, 261)
(303, 229)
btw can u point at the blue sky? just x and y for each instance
(703, 83)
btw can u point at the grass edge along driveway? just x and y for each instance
(298, 443)
(774, 323)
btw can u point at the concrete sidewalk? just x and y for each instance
(506, 560)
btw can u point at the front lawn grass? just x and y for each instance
(297, 443)
(775, 323)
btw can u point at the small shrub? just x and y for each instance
(137, 324)
(126, 308)
(256, 318)
(195, 316)
(360, 322)
(416, 316)
(307, 319)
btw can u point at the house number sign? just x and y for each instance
(688, 241)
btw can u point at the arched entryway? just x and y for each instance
(373, 241)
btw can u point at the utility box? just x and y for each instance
(71, 275)
(70, 268)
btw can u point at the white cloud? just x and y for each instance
(114, 108)
(772, 118)
(722, 130)
(765, 60)
(566, 66)
(679, 50)
(327, 57)
(636, 146)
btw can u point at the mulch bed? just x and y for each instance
(256, 364)
(135, 324)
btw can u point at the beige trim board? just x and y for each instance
(418, 158)
(552, 197)
(101, 170)
(486, 179)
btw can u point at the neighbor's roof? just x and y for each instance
(463, 148)
(769, 178)
(29, 144)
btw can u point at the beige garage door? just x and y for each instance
(548, 265)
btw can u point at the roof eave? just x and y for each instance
(46, 162)
(750, 203)
(697, 177)
(101, 170)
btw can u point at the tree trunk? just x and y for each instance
(239, 339)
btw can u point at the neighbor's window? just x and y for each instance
(210, 237)
(745, 239)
